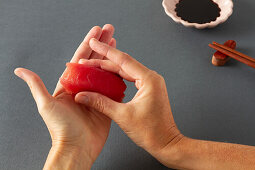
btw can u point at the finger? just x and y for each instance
(36, 86)
(107, 33)
(106, 65)
(100, 103)
(128, 64)
(113, 43)
(84, 50)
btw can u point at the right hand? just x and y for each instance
(147, 119)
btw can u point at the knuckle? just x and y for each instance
(156, 80)
(99, 104)
(125, 58)
(155, 77)
(161, 78)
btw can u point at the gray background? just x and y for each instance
(212, 103)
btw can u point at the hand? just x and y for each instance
(147, 119)
(74, 129)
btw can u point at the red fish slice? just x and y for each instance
(79, 77)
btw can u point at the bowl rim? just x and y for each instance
(196, 25)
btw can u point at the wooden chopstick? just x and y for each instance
(234, 51)
(233, 55)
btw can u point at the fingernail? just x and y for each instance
(82, 61)
(84, 99)
(18, 73)
(93, 39)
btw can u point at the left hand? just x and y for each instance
(72, 126)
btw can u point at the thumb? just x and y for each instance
(100, 103)
(38, 90)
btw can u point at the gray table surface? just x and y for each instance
(211, 103)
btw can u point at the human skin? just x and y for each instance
(79, 131)
(78, 134)
(147, 119)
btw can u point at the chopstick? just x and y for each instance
(234, 51)
(234, 54)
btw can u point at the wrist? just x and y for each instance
(170, 151)
(63, 157)
(173, 154)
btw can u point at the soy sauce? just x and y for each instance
(198, 11)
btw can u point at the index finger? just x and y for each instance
(84, 50)
(128, 64)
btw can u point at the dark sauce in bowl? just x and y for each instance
(198, 11)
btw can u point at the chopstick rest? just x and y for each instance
(234, 54)
(219, 59)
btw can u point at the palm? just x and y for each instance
(74, 123)
(81, 122)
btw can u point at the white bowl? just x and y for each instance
(226, 7)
